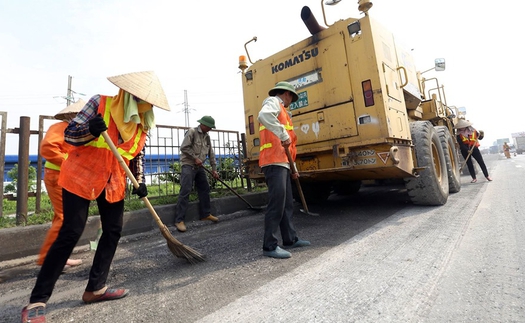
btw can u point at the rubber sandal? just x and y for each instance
(34, 315)
(474, 180)
(109, 294)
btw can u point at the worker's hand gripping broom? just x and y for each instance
(177, 248)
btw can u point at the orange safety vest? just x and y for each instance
(271, 150)
(471, 140)
(91, 168)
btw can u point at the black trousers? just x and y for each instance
(476, 154)
(279, 211)
(75, 217)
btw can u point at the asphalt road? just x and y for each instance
(375, 257)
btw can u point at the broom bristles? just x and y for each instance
(179, 249)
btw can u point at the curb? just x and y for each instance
(26, 241)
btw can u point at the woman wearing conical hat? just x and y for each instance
(91, 172)
(467, 138)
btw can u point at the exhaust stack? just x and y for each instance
(310, 21)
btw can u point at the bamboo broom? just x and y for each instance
(176, 247)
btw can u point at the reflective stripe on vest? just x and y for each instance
(269, 145)
(130, 152)
(471, 140)
(50, 165)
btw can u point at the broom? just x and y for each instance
(176, 247)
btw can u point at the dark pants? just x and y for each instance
(279, 211)
(476, 154)
(187, 177)
(75, 217)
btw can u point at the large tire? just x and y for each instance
(451, 159)
(430, 187)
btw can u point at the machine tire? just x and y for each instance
(451, 159)
(430, 187)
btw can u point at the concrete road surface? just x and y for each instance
(375, 257)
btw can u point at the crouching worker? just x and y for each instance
(91, 172)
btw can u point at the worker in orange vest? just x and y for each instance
(467, 137)
(54, 150)
(91, 172)
(277, 134)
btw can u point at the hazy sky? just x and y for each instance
(195, 45)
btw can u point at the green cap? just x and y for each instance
(207, 121)
(284, 86)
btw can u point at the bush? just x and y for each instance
(13, 173)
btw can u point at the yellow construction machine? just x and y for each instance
(364, 111)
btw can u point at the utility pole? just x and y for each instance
(186, 110)
(68, 95)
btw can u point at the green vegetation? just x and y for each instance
(156, 195)
(13, 173)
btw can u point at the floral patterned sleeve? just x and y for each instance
(77, 132)
(136, 165)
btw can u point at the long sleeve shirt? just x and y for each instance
(197, 144)
(77, 134)
(53, 148)
(270, 110)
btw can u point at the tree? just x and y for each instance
(13, 174)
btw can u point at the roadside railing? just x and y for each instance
(162, 167)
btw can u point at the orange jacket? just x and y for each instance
(271, 150)
(92, 168)
(53, 148)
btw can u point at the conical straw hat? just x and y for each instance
(144, 85)
(462, 123)
(71, 109)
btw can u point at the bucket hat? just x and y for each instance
(71, 110)
(462, 123)
(284, 86)
(207, 121)
(144, 85)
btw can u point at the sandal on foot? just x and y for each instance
(489, 179)
(474, 180)
(36, 314)
(109, 294)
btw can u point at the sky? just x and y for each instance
(194, 46)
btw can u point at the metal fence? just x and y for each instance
(163, 155)
(162, 168)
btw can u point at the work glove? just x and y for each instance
(141, 191)
(97, 125)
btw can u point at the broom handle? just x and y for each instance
(468, 156)
(228, 187)
(297, 182)
(131, 177)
